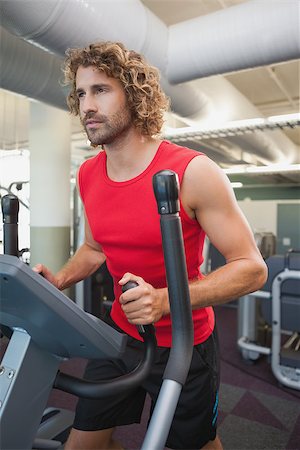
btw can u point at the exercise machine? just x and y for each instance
(279, 306)
(47, 328)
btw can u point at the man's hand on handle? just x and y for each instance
(143, 304)
(46, 273)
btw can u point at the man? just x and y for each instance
(121, 106)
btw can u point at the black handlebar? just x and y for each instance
(166, 189)
(129, 285)
(10, 212)
(102, 389)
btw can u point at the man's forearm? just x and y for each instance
(229, 282)
(85, 262)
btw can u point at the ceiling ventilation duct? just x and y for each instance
(251, 34)
(30, 71)
(57, 25)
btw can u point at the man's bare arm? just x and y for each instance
(207, 194)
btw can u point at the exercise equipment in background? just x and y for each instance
(10, 214)
(266, 243)
(277, 334)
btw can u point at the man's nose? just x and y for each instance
(89, 104)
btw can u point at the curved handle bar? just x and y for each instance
(89, 389)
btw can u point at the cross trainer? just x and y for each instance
(47, 328)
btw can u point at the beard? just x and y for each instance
(111, 127)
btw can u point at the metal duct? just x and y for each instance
(57, 25)
(30, 71)
(61, 24)
(252, 34)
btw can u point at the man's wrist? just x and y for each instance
(60, 282)
(164, 301)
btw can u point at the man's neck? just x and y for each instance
(130, 157)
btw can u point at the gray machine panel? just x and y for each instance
(54, 322)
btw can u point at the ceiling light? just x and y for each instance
(272, 168)
(284, 117)
(236, 184)
(233, 128)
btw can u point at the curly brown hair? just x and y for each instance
(145, 98)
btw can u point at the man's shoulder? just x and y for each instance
(180, 149)
(178, 154)
(177, 158)
(92, 161)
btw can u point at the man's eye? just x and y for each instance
(80, 94)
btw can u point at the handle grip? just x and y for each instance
(142, 329)
(166, 191)
(10, 212)
(10, 208)
(129, 285)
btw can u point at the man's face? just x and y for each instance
(102, 106)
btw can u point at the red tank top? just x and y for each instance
(123, 218)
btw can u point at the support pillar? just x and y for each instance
(50, 164)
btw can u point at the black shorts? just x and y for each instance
(195, 419)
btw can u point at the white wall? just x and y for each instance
(262, 214)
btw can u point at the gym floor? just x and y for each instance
(255, 411)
